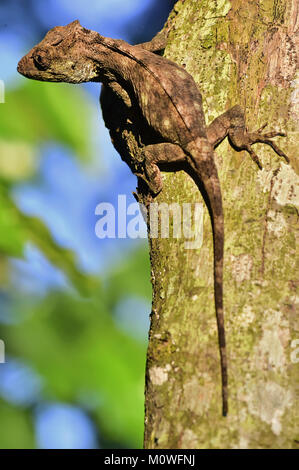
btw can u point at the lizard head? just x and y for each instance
(61, 56)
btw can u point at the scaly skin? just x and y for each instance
(161, 103)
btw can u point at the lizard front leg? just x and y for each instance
(232, 124)
(156, 154)
(157, 44)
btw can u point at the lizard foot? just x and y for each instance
(153, 184)
(244, 142)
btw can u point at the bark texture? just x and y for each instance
(239, 52)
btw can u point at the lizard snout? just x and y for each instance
(23, 66)
(33, 64)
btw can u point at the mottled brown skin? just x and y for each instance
(158, 102)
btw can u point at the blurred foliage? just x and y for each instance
(68, 337)
(16, 430)
(39, 111)
(18, 228)
(11, 230)
(33, 113)
(131, 277)
(74, 344)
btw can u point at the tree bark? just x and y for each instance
(239, 52)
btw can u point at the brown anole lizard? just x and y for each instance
(158, 101)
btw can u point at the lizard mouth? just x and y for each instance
(31, 66)
(24, 66)
(20, 66)
(36, 67)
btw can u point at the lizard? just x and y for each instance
(159, 101)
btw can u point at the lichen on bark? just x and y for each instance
(239, 52)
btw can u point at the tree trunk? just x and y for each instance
(239, 52)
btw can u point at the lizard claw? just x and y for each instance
(262, 127)
(254, 157)
(243, 140)
(259, 137)
(270, 135)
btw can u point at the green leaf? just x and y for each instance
(47, 111)
(16, 430)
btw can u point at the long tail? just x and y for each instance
(205, 168)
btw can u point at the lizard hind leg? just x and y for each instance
(232, 124)
(259, 137)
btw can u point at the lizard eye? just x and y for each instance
(58, 41)
(40, 61)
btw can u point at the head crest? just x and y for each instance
(74, 25)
